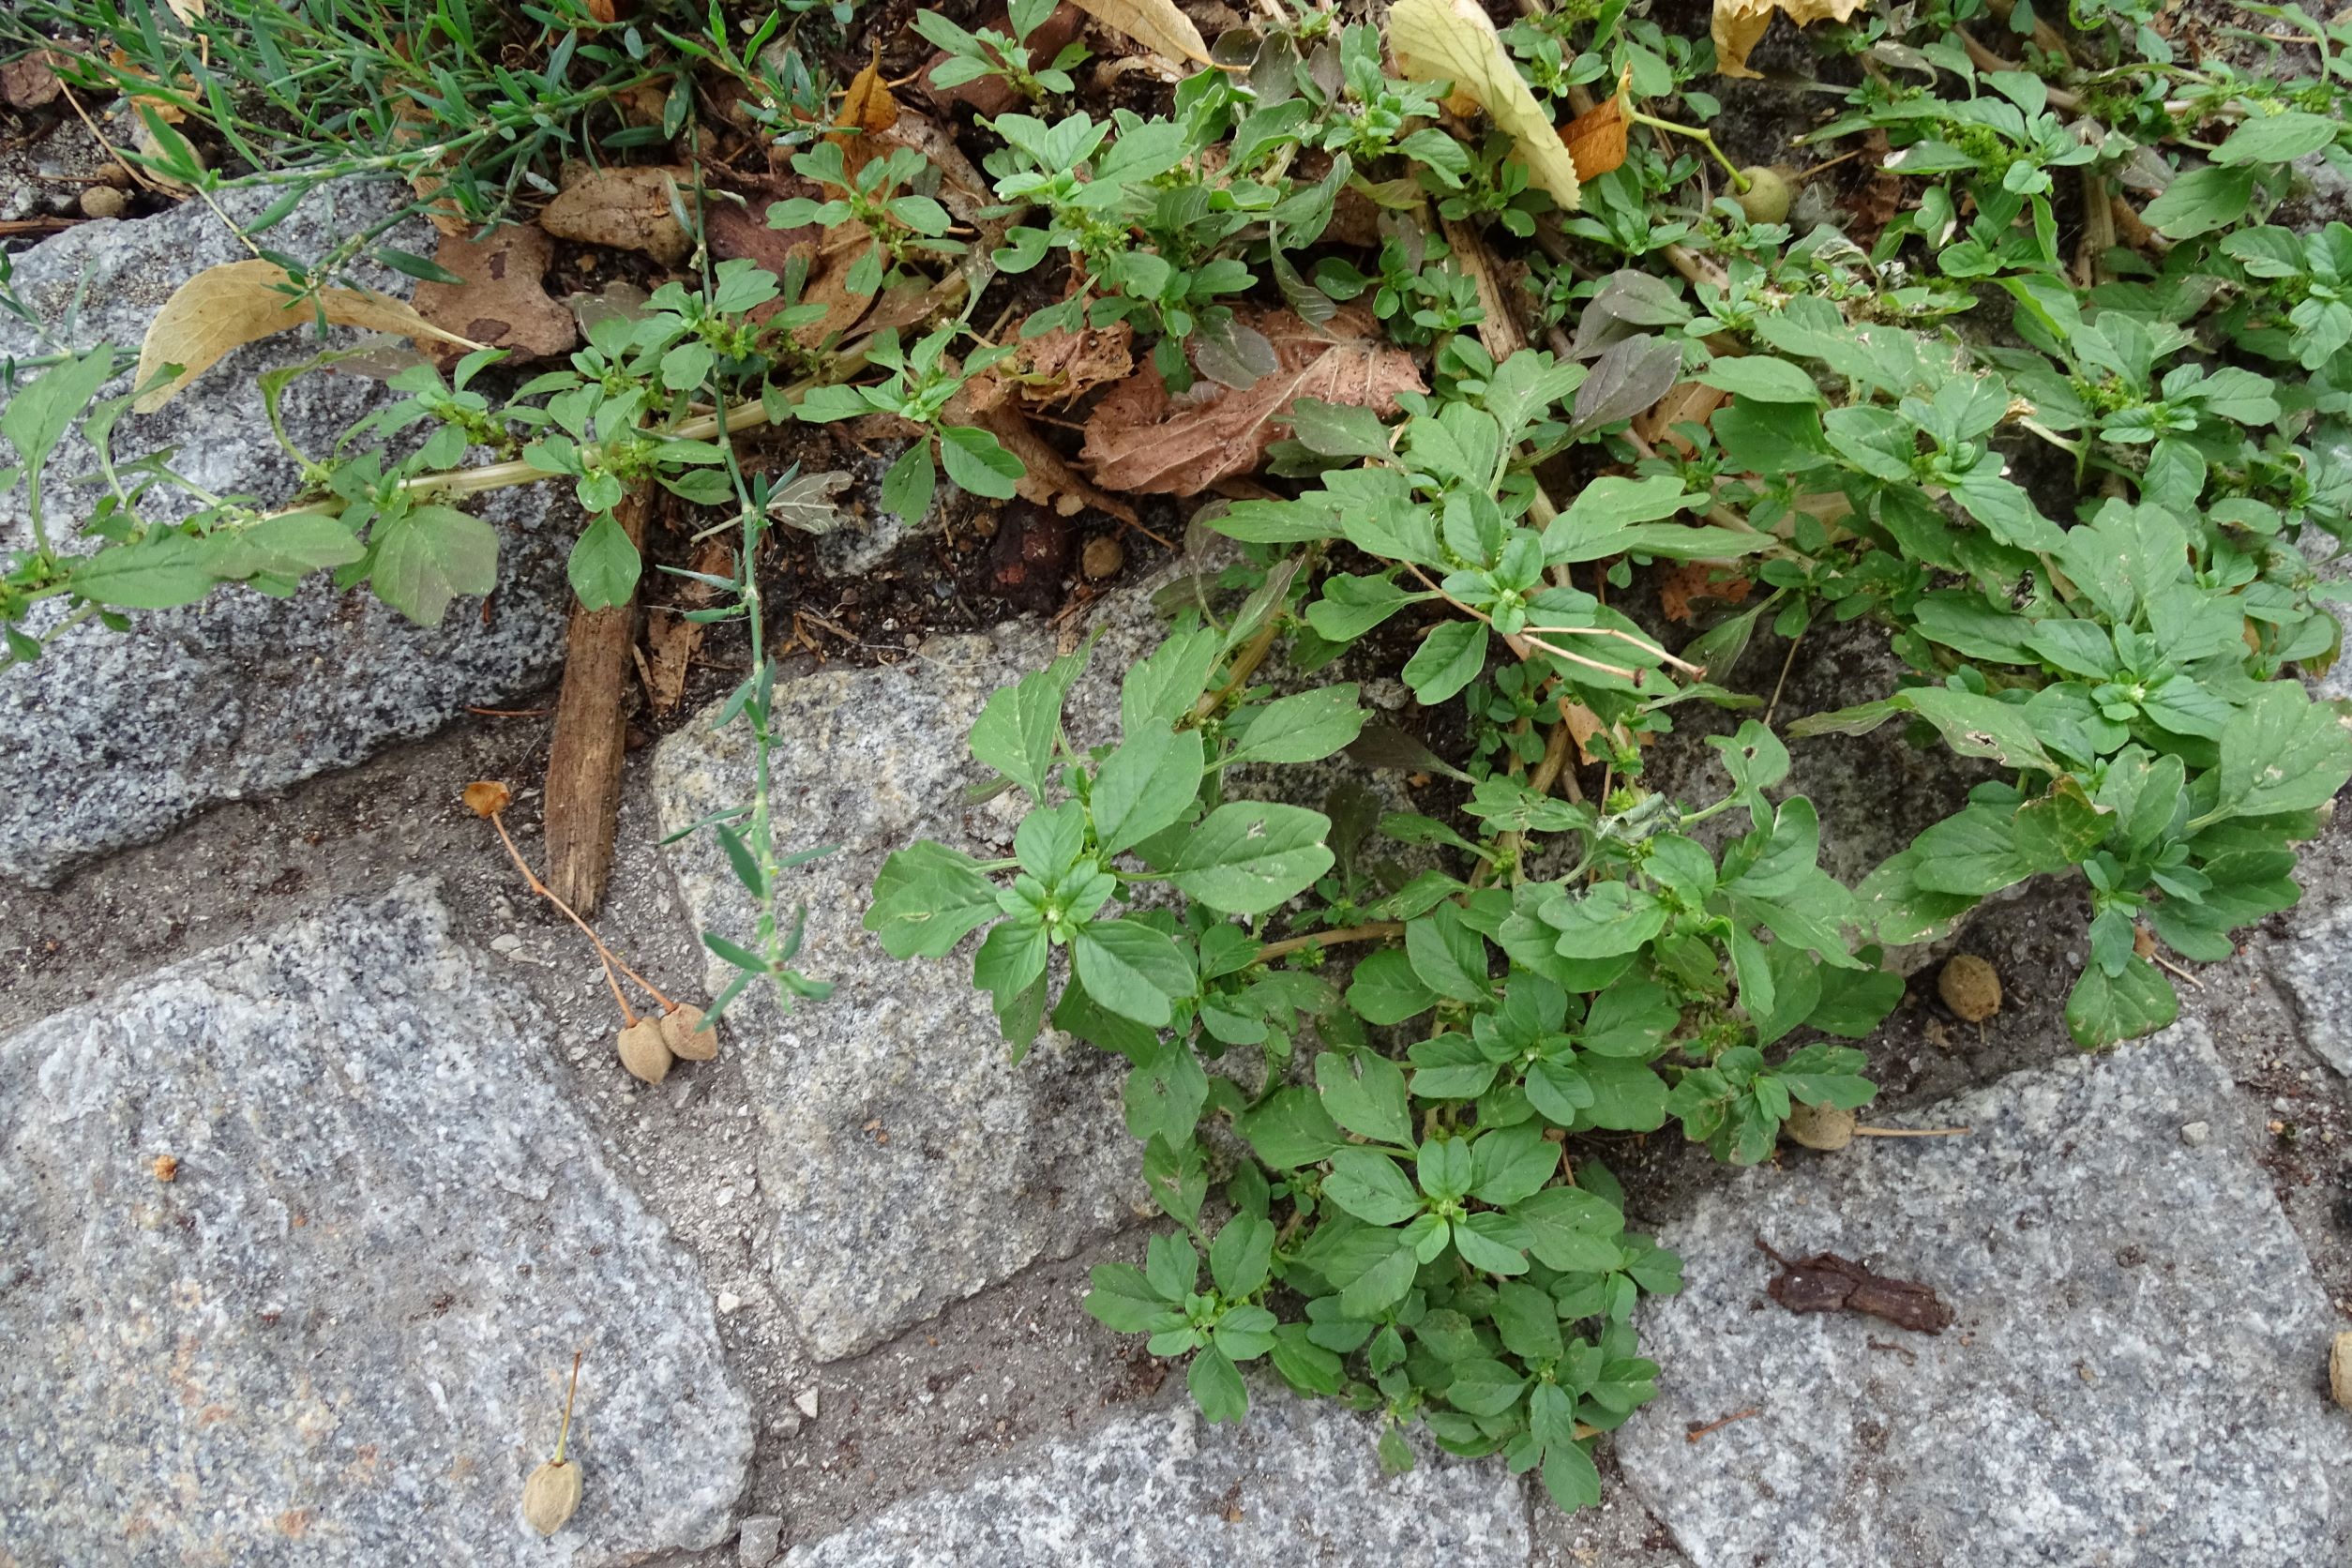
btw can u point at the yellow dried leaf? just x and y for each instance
(190, 11)
(1740, 23)
(226, 307)
(1453, 40)
(1156, 24)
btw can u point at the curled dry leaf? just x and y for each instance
(1596, 137)
(1045, 478)
(1454, 41)
(1680, 589)
(1687, 402)
(1740, 23)
(628, 209)
(1139, 439)
(226, 307)
(411, 123)
(2340, 1368)
(28, 82)
(1156, 24)
(1064, 365)
(487, 797)
(502, 302)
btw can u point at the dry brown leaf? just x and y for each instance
(1596, 137)
(502, 301)
(674, 641)
(163, 109)
(1455, 41)
(627, 209)
(1156, 24)
(1688, 582)
(1063, 364)
(1583, 723)
(1047, 481)
(866, 106)
(1687, 402)
(1740, 24)
(28, 82)
(1141, 440)
(190, 11)
(226, 307)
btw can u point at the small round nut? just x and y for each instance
(1828, 1128)
(550, 1495)
(103, 200)
(644, 1052)
(1102, 557)
(1768, 194)
(2340, 1370)
(682, 1030)
(1970, 987)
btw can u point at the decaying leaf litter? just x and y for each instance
(1096, 421)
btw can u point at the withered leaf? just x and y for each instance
(1455, 41)
(1596, 137)
(226, 307)
(502, 302)
(1140, 439)
(628, 209)
(810, 502)
(1062, 366)
(1156, 24)
(1045, 480)
(1827, 1282)
(28, 82)
(1740, 24)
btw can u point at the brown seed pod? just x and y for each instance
(1969, 988)
(550, 1495)
(487, 797)
(682, 1030)
(1768, 196)
(1102, 557)
(1828, 1128)
(2340, 1370)
(644, 1052)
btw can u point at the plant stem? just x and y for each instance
(1704, 137)
(1372, 932)
(549, 894)
(562, 1433)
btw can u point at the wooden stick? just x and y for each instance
(1912, 1132)
(584, 765)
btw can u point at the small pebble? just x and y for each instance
(507, 944)
(806, 1400)
(729, 1301)
(2196, 1134)
(103, 200)
(757, 1541)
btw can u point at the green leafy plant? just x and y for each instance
(987, 52)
